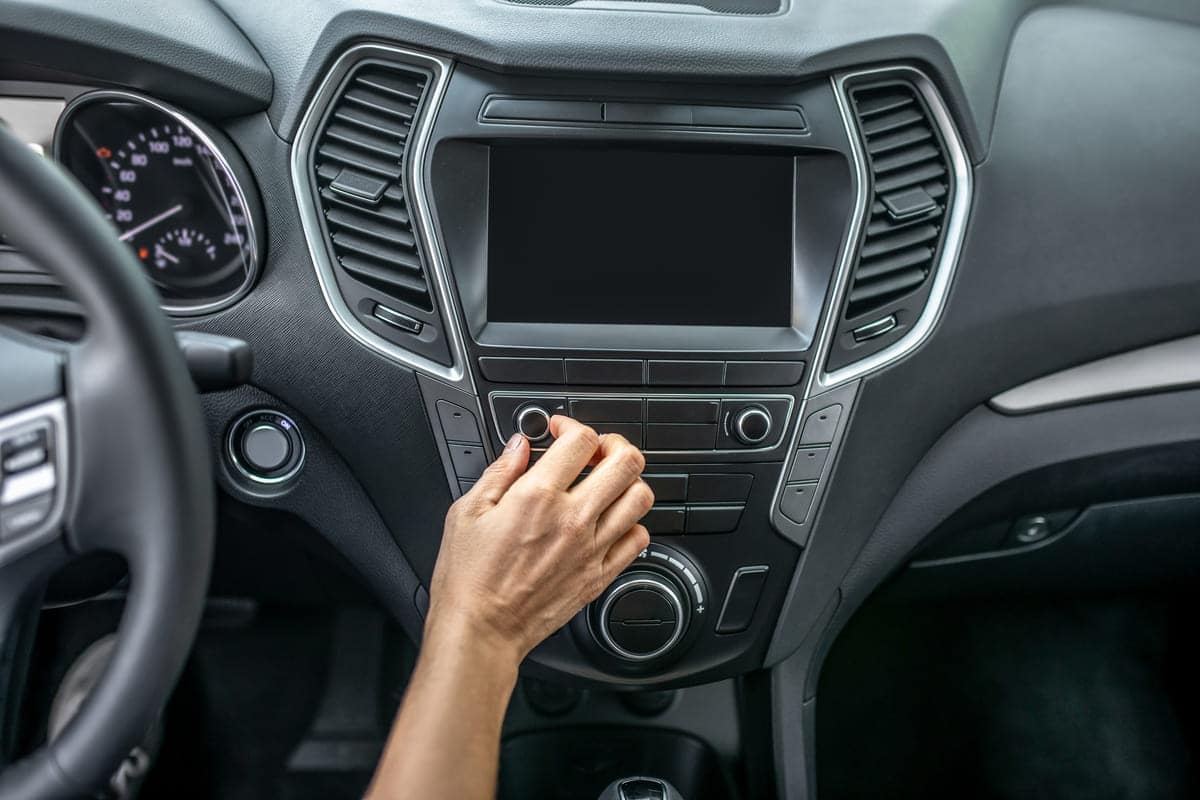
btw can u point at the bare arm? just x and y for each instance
(522, 552)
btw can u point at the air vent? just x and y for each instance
(910, 186)
(358, 163)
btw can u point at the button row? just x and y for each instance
(530, 109)
(636, 372)
(708, 488)
(689, 519)
(656, 424)
(30, 479)
(808, 463)
(464, 441)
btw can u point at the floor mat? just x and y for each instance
(1052, 698)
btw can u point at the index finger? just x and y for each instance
(574, 446)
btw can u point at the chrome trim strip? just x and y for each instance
(197, 129)
(415, 163)
(943, 271)
(533, 395)
(1159, 368)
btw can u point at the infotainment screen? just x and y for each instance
(615, 235)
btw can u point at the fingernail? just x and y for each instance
(514, 442)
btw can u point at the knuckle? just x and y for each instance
(644, 494)
(588, 436)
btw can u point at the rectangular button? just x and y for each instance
(681, 437)
(648, 113)
(693, 412)
(458, 423)
(664, 519)
(685, 373)
(797, 501)
(522, 370)
(596, 409)
(742, 599)
(469, 461)
(821, 425)
(808, 464)
(712, 519)
(22, 460)
(763, 373)
(630, 430)
(24, 517)
(501, 108)
(27, 484)
(719, 488)
(667, 488)
(606, 372)
(748, 117)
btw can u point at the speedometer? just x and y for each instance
(174, 190)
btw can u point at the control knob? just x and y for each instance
(752, 425)
(533, 422)
(642, 615)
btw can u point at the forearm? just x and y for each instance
(446, 739)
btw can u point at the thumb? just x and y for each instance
(503, 472)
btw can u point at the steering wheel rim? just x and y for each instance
(134, 475)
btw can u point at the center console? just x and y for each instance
(687, 265)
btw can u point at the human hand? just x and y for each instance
(524, 551)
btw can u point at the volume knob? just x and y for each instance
(533, 422)
(642, 616)
(752, 425)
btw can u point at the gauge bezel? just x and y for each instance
(227, 158)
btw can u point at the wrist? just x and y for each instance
(451, 631)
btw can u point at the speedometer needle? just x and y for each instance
(132, 232)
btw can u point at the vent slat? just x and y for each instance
(897, 255)
(903, 282)
(365, 225)
(891, 121)
(372, 273)
(376, 145)
(899, 241)
(384, 252)
(355, 158)
(905, 137)
(387, 213)
(368, 129)
(909, 177)
(902, 260)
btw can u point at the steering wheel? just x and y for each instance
(104, 449)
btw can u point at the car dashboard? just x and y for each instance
(811, 257)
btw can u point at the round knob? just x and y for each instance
(533, 422)
(642, 616)
(752, 424)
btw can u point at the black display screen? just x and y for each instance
(639, 236)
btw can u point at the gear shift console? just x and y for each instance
(640, 788)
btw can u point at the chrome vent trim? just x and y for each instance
(942, 271)
(420, 217)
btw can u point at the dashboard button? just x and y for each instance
(469, 461)
(24, 517)
(630, 430)
(821, 425)
(741, 600)
(763, 373)
(712, 519)
(596, 409)
(523, 109)
(808, 464)
(719, 488)
(664, 519)
(697, 412)
(458, 423)
(265, 447)
(522, 370)
(24, 485)
(797, 501)
(685, 373)
(605, 372)
(681, 437)
(667, 488)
